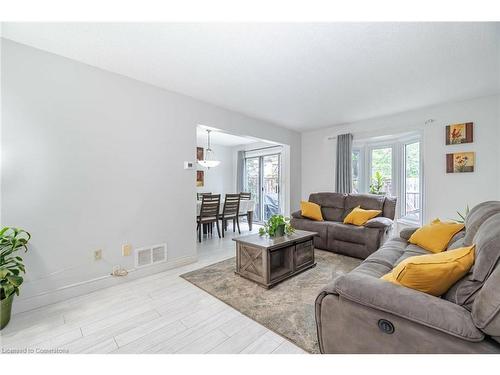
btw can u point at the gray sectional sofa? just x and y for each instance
(333, 235)
(360, 313)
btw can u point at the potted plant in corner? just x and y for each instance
(377, 185)
(11, 267)
(276, 226)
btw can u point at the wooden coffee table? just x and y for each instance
(270, 260)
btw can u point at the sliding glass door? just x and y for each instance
(262, 179)
(252, 183)
(271, 186)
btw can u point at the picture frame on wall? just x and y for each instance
(460, 133)
(199, 153)
(200, 178)
(460, 162)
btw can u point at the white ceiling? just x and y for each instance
(220, 138)
(298, 75)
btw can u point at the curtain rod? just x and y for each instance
(263, 148)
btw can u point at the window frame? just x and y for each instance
(361, 167)
(404, 142)
(398, 170)
(394, 177)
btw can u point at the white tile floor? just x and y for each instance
(172, 316)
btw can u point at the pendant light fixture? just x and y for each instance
(209, 160)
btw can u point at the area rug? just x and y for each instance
(288, 308)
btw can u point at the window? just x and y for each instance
(356, 170)
(381, 180)
(411, 196)
(392, 168)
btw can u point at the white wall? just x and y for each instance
(443, 193)
(92, 159)
(219, 180)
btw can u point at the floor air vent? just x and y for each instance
(148, 256)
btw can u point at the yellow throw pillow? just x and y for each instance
(358, 216)
(433, 273)
(435, 236)
(311, 210)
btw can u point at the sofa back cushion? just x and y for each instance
(486, 307)
(477, 216)
(332, 205)
(389, 210)
(365, 201)
(487, 241)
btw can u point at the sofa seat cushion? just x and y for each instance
(351, 233)
(411, 251)
(372, 269)
(320, 227)
(389, 254)
(332, 205)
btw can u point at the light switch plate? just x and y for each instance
(189, 165)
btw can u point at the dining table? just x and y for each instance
(247, 207)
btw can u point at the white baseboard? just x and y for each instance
(88, 286)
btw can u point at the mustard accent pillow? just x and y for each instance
(311, 210)
(358, 216)
(433, 273)
(435, 236)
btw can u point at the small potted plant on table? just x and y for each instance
(11, 268)
(276, 226)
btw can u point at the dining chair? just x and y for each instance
(209, 213)
(200, 195)
(230, 211)
(246, 196)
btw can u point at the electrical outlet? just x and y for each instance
(98, 254)
(126, 250)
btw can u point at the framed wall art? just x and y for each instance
(460, 133)
(460, 162)
(200, 178)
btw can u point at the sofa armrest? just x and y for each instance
(298, 215)
(409, 304)
(379, 222)
(406, 233)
